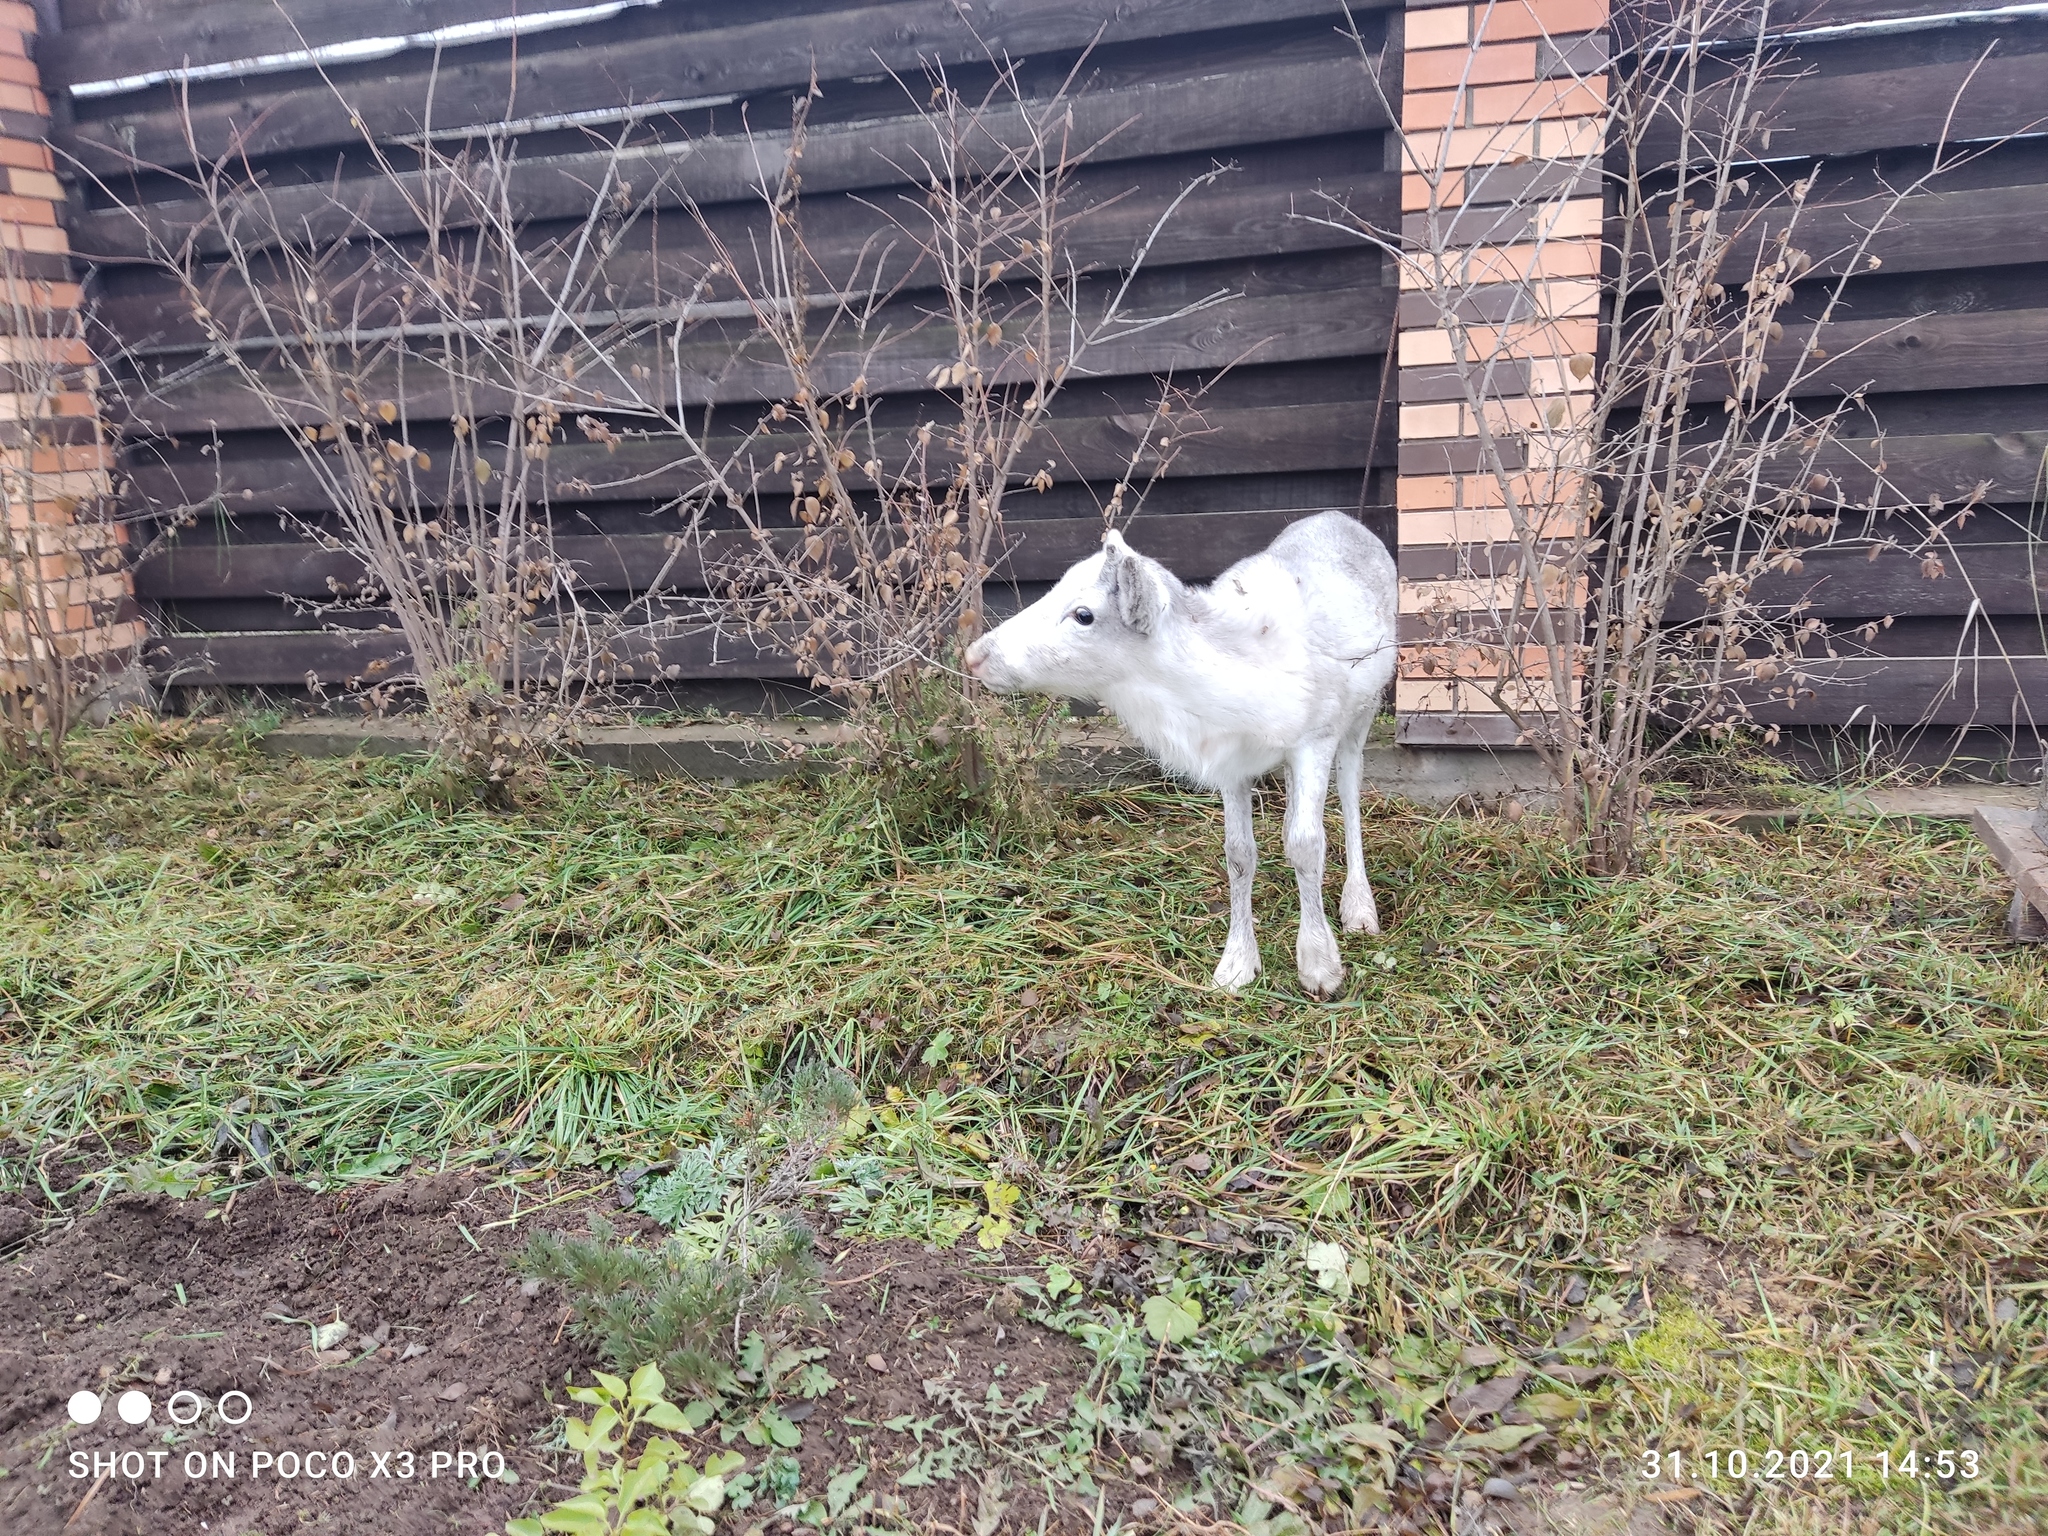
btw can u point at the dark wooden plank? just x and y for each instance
(1294, 492)
(259, 659)
(1802, 15)
(287, 658)
(1952, 634)
(1253, 212)
(1996, 226)
(133, 37)
(1837, 109)
(739, 366)
(1239, 441)
(1257, 105)
(1924, 691)
(565, 71)
(1925, 454)
(1195, 546)
(1993, 578)
(1937, 413)
(2019, 841)
(1948, 465)
(1909, 354)
(251, 615)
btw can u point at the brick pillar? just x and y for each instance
(63, 556)
(1520, 84)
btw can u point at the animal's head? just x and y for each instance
(1093, 629)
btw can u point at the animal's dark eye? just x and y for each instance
(1084, 616)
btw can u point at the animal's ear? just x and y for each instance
(1133, 581)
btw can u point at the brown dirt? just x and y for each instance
(448, 1352)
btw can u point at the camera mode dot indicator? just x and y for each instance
(84, 1407)
(133, 1407)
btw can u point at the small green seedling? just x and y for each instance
(1174, 1317)
(658, 1493)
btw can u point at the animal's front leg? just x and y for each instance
(1240, 961)
(1315, 946)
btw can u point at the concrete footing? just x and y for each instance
(1095, 752)
(1091, 752)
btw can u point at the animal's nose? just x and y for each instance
(977, 657)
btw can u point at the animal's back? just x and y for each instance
(1350, 594)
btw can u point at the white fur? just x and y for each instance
(1279, 663)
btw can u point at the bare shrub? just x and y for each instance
(1653, 497)
(351, 339)
(499, 342)
(60, 553)
(875, 579)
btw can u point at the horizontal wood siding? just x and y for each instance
(1173, 88)
(1947, 340)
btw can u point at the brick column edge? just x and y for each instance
(1530, 69)
(56, 460)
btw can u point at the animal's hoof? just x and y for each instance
(1317, 963)
(1322, 985)
(1236, 972)
(1358, 912)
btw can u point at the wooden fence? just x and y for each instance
(1269, 88)
(1300, 420)
(1949, 338)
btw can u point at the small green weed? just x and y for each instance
(678, 1307)
(696, 1186)
(657, 1493)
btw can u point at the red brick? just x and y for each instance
(37, 294)
(1441, 68)
(1444, 27)
(16, 17)
(1433, 109)
(26, 210)
(71, 457)
(44, 239)
(1542, 18)
(32, 153)
(1415, 191)
(24, 98)
(1468, 660)
(27, 182)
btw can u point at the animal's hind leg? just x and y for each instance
(1315, 946)
(1356, 911)
(1240, 962)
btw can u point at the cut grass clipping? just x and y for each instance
(1749, 1152)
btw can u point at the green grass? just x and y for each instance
(1813, 1049)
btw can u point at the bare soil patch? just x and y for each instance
(449, 1352)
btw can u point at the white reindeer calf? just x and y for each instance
(1280, 662)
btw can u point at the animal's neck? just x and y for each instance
(1190, 699)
